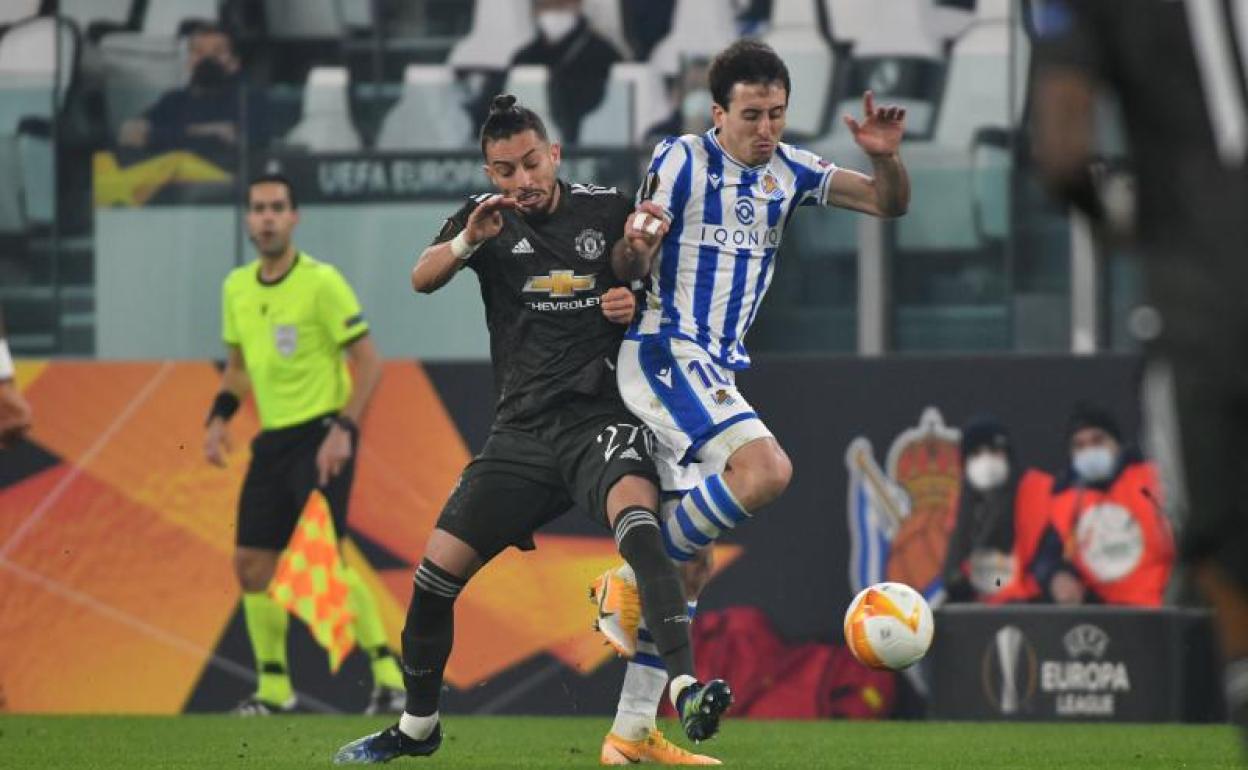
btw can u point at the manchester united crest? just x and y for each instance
(590, 244)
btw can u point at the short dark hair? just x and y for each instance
(746, 61)
(192, 27)
(1089, 414)
(506, 119)
(274, 178)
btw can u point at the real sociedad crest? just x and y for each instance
(900, 515)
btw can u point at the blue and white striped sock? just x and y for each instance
(702, 516)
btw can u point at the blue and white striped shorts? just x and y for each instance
(690, 403)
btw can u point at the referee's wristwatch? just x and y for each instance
(347, 424)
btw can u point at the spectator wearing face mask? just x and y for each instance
(1107, 540)
(1000, 512)
(579, 60)
(204, 116)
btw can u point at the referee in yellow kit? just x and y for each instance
(286, 320)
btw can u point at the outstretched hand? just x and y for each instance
(486, 220)
(881, 129)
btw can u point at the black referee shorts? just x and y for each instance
(525, 478)
(279, 480)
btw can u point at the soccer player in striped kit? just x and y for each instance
(727, 196)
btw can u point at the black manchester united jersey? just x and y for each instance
(542, 279)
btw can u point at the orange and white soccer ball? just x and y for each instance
(889, 626)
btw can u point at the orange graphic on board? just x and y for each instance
(115, 563)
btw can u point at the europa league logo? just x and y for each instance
(1009, 671)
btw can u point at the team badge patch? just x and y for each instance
(770, 185)
(723, 398)
(591, 244)
(286, 339)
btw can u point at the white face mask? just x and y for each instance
(987, 470)
(1095, 463)
(555, 25)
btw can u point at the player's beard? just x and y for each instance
(540, 202)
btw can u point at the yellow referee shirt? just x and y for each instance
(292, 332)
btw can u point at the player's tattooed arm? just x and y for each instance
(643, 233)
(438, 264)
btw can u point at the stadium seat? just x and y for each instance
(530, 83)
(796, 37)
(700, 29)
(13, 11)
(303, 19)
(499, 29)
(90, 15)
(978, 90)
(635, 102)
(356, 14)
(948, 22)
(34, 87)
(893, 53)
(445, 128)
(961, 175)
(605, 17)
(326, 123)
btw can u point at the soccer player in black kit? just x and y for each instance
(1177, 69)
(561, 434)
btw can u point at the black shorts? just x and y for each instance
(1196, 396)
(525, 478)
(279, 480)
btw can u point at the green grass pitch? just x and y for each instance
(84, 742)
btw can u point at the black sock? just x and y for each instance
(639, 539)
(427, 636)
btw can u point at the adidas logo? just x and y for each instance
(523, 247)
(630, 454)
(665, 376)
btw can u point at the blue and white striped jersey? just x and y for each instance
(726, 223)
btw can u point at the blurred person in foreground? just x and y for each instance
(206, 115)
(1107, 540)
(1176, 69)
(288, 322)
(15, 414)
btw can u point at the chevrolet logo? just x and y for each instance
(560, 283)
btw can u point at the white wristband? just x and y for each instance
(6, 361)
(460, 247)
